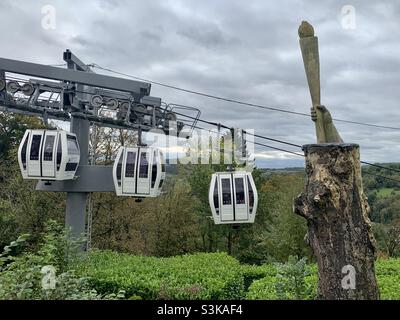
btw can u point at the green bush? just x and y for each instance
(213, 276)
(252, 273)
(389, 287)
(25, 275)
(263, 289)
(197, 276)
(292, 280)
(111, 275)
(387, 273)
(387, 267)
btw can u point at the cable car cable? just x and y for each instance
(288, 143)
(364, 162)
(380, 166)
(237, 101)
(234, 101)
(291, 144)
(197, 92)
(263, 137)
(366, 172)
(253, 105)
(279, 149)
(252, 134)
(379, 176)
(258, 143)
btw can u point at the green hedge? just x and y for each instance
(202, 276)
(264, 289)
(196, 276)
(387, 273)
(252, 273)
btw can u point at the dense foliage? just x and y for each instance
(44, 274)
(112, 275)
(171, 248)
(267, 288)
(214, 276)
(176, 223)
(198, 276)
(384, 200)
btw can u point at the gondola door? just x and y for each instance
(143, 179)
(34, 153)
(48, 154)
(22, 154)
(227, 207)
(240, 197)
(129, 170)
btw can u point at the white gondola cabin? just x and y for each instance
(48, 155)
(233, 197)
(139, 172)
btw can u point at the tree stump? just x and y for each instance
(339, 229)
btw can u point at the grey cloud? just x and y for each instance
(209, 36)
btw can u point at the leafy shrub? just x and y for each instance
(389, 287)
(263, 289)
(213, 276)
(197, 276)
(292, 280)
(252, 273)
(387, 273)
(22, 273)
(387, 267)
(388, 276)
(111, 275)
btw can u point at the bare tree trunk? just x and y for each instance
(203, 237)
(339, 230)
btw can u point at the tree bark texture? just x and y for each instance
(339, 229)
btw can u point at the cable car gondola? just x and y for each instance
(139, 172)
(48, 155)
(233, 197)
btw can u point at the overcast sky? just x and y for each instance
(245, 50)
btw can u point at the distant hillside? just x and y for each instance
(267, 171)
